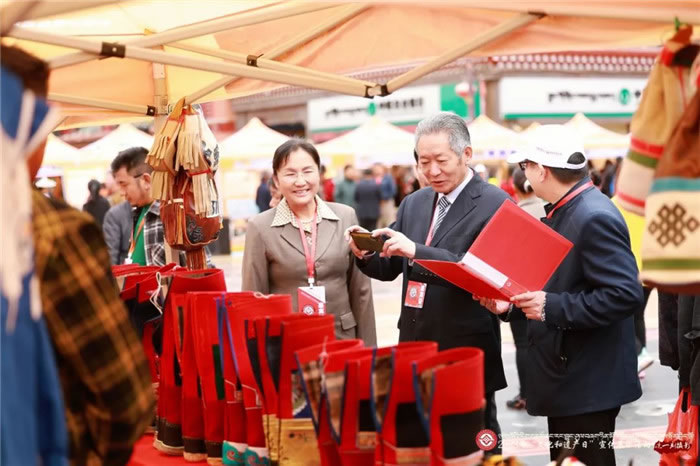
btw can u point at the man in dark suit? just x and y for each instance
(368, 197)
(582, 356)
(448, 216)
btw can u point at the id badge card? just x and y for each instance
(311, 300)
(415, 294)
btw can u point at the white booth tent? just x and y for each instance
(250, 147)
(59, 153)
(599, 142)
(103, 151)
(374, 141)
(491, 141)
(154, 54)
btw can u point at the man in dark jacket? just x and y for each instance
(117, 230)
(582, 358)
(441, 222)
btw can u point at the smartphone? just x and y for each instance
(366, 242)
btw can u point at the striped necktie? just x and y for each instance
(443, 204)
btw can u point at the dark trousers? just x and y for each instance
(491, 422)
(519, 330)
(595, 450)
(368, 224)
(640, 329)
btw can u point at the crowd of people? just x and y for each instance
(301, 243)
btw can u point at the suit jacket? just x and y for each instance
(274, 262)
(449, 315)
(368, 195)
(582, 358)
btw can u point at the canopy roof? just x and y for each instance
(206, 44)
(491, 141)
(59, 153)
(253, 141)
(375, 140)
(103, 151)
(599, 142)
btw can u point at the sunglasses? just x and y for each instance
(523, 164)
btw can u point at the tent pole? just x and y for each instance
(139, 53)
(267, 64)
(284, 47)
(160, 96)
(689, 14)
(492, 34)
(196, 30)
(97, 103)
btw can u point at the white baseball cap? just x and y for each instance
(480, 168)
(551, 146)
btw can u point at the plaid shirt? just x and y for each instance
(153, 235)
(103, 371)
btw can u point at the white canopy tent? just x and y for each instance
(104, 150)
(250, 147)
(599, 142)
(491, 141)
(59, 153)
(374, 141)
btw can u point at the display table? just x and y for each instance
(145, 455)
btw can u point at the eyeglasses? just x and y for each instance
(523, 164)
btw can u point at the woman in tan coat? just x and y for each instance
(275, 259)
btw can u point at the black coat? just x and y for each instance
(97, 207)
(368, 196)
(449, 315)
(582, 359)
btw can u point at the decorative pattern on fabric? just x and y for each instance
(194, 232)
(284, 215)
(381, 384)
(233, 454)
(670, 224)
(312, 380)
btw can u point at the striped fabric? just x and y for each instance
(443, 205)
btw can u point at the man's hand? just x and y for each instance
(532, 303)
(397, 244)
(494, 305)
(359, 253)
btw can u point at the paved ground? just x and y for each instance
(639, 424)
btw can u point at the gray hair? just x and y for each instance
(450, 124)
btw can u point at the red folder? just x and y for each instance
(513, 254)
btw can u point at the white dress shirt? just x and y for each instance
(451, 196)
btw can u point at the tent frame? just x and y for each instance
(267, 69)
(139, 53)
(196, 30)
(284, 47)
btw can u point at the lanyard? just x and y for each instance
(569, 197)
(309, 256)
(136, 235)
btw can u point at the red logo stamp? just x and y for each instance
(486, 440)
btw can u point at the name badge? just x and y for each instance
(415, 294)
(311, 300)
